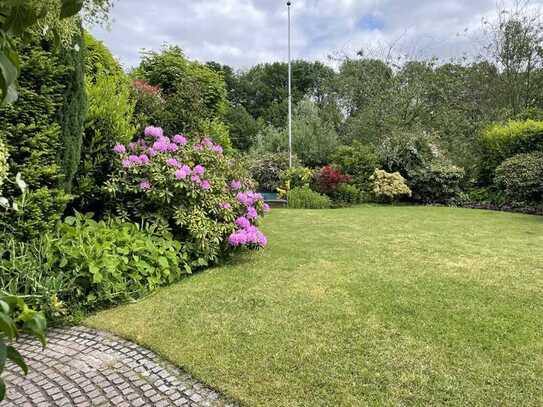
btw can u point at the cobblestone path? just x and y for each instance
(82, 367)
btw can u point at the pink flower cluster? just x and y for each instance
(207, 144)
(135, 160)
(249, 198)
(247, 234)
(169, 154)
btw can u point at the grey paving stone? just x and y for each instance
(82, 367)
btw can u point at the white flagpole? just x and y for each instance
(289, 93)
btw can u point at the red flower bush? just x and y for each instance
(329, 178)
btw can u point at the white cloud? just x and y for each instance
(242, 33)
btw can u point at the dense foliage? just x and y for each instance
(389, 187)
(33, 132)
(500, 142)
(305, 198)
(187, 186)
(266, 170)
(109, 120)
(438, 182)
(358, 161)
(521, 178)
(89, 264)
(193, 93)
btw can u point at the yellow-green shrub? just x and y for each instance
(389, 187)
(502, 141)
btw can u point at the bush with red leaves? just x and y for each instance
(329, 178)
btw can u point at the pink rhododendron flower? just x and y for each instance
(235, 185)
(172, 147)
(205, 185)
(127, 163)
(154, 132)
(152, 152)
(243, 222)
(144, 159)
(199, 170)
(195, 179)
(180, 139)
(252, 213)
(119, 148)
(161, 146)
(266, 208)
(134, 159)
(181, 174)
(218, 149)
(172, 162)
(225, 205)
(207, 142)
(145, 185)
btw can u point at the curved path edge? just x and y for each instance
(84, 367)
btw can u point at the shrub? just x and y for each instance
(406, 152)
(346, 195)
(112, 262)
(39, 147)
(109, 121)
(328, 179)
(357, 160)
(389, 187)
(521, 178)
(305, 198)
(89, 264)
(294, 177)
(266, 169)
(439, 182)
(502, 141)
(189, 188)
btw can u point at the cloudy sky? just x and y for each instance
(242, 33)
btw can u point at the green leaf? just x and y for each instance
(7, 326)
(2, 389)
(9, 70)
(37, 326)
(16, 358)
(70, 8)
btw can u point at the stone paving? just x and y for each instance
(82, 367)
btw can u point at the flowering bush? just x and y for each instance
(328, 179)
(389, 187)
(190, 188)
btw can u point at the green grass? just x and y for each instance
(372, 305)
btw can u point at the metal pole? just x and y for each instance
(289, 94)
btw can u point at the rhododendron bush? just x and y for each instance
(191, 188)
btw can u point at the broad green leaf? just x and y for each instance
(70, 8)
(16, 358)
(2, 389)
(7, 326)
(37, 327)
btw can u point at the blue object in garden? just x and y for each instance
(272, 199)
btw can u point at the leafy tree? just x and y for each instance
(243, 127)
(192, 92)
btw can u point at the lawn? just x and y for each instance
(371, 305)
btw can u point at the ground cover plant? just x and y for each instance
(372, 305)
